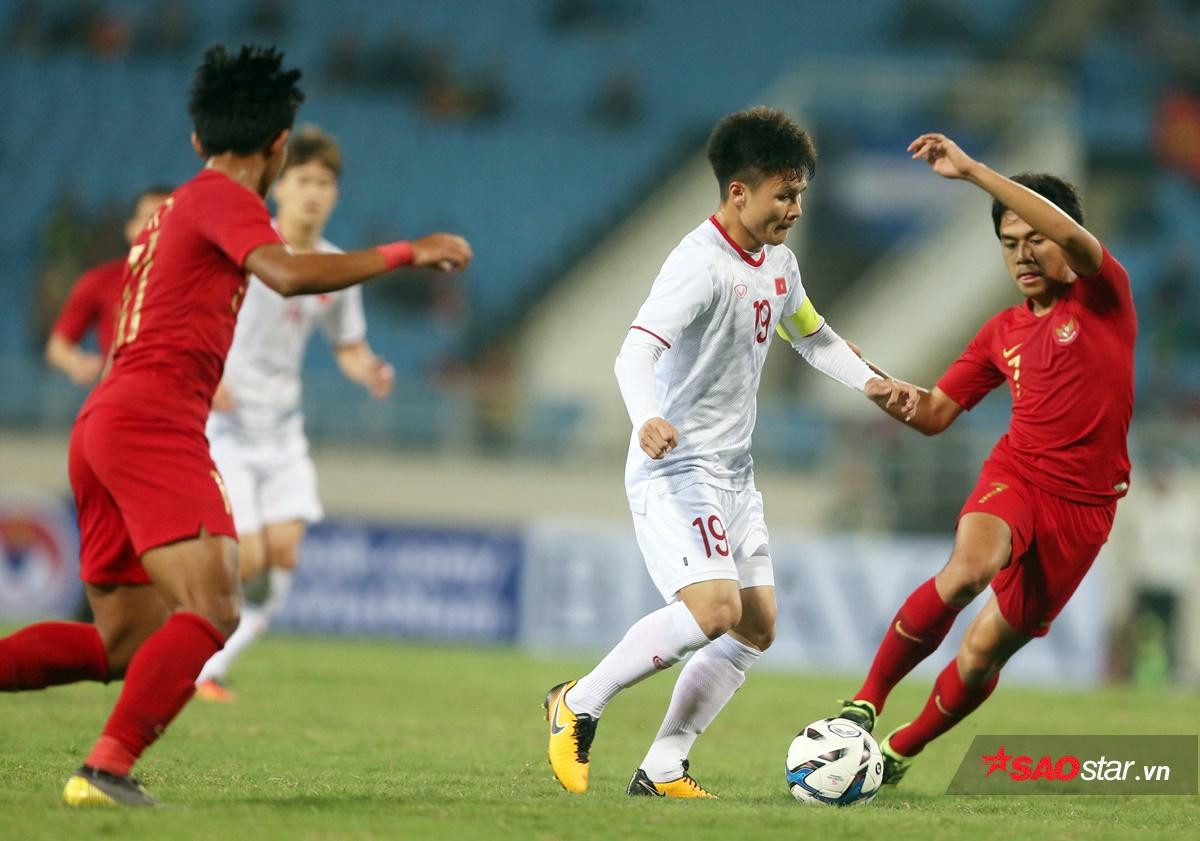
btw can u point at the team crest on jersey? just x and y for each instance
(1067, 332)
(740, 290)
(781, 286)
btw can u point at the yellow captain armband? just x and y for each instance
(803, 322)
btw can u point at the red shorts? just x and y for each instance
(1054, 541)
(139, 483)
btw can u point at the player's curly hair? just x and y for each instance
(240, 103)
(760, 142)
(1058, 190)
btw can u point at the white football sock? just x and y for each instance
(705, 685)
(656, 641)
(252, 624)
(279, 584)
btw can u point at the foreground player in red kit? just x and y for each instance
(158, 547)
(1048, 493)
(94, 301)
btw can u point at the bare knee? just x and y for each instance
(757, 628)
(966, 575)
(978, 663)
(718, 615)
(251, 556)
(223, 610)
(760, 638)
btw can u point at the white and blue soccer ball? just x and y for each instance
(834, 762)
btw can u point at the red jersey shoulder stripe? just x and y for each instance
(652, 333)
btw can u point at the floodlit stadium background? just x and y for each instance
(483, 502)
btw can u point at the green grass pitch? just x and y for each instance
(347, 739)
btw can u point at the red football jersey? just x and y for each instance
(184, 282)
(93, 302)
(1071, 376)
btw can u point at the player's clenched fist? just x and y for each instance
(447, 252)
(657, 437)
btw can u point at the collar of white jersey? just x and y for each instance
(322, 246)
(747, 257)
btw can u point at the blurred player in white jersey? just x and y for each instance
(256, 429)
(689, 371)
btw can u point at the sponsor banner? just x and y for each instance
(39, 557)
(586, 584)
(433, 583)
(1122, 765)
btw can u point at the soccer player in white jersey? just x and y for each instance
(689, 371)
(256, 429)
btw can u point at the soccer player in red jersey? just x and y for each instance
(94, 301)
(1047, 494)
(158, 548)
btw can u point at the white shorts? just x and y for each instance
(701, 533)
(264, 489)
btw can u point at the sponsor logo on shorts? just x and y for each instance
(997, 488)
(1067, 332)
(659, 663)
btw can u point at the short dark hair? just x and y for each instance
(1061, 192)
(309, 143)
(751, 145)
(160, 189)
(241, 103)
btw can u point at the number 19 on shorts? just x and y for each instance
(712, 532)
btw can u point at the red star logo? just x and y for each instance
(996, 762)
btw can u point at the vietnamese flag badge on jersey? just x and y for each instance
(781, 286)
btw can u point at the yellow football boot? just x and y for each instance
(570, 740)
(685, 787)
(92, 787)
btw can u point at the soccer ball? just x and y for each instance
(835, 762)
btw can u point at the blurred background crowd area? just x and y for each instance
(562, 138)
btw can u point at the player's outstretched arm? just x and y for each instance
(1083, 251)
(933, 411)
(359, 364)
(306, 274)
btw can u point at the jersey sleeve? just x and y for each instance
(235, 220)
(81, 311)
(973, 375)
(1109, 288)
(344, 322)
(682, 290)
(800, 317)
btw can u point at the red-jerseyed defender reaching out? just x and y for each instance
(158, 547)
(1047, 495)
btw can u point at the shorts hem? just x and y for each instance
(711, 575)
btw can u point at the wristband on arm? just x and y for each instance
(396, 254)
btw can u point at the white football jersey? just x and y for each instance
(262, 370)
(714, 307)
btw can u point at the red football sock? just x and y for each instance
(949, 703)
(50, 654)
(160, 679)
(916, 631)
